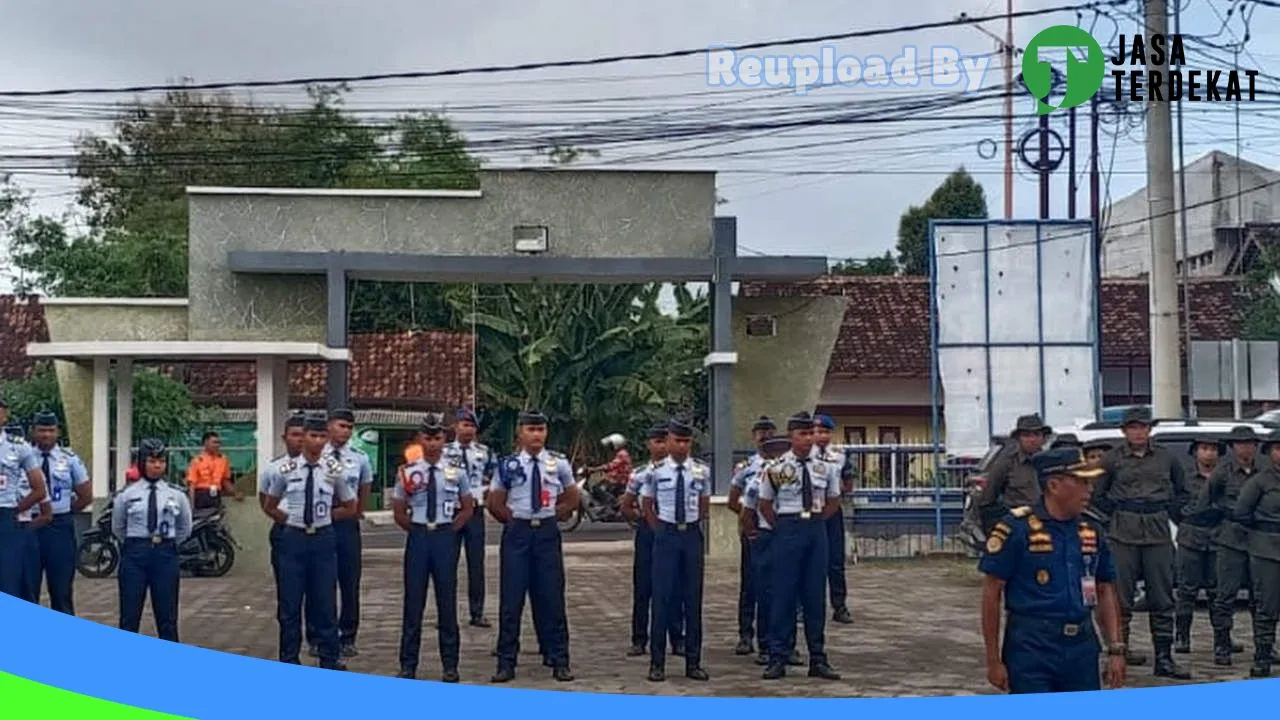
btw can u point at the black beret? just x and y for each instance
(342, 414)
(764, 423)
(679, 429)
(315, 423)
(531, 418)
(800, 421)
(45, 418)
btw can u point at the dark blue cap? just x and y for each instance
(315, 423)
(800, 421)
(432, 424)
(531, 418)
(824, 421)
(342, 414)
(764, 423)
(1063, 461)
(465, 415)
(45, 418)
(296, 420)
(14, 429)
(776, 444)
(679, 429)
(658, 432)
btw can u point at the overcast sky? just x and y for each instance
(76, 43)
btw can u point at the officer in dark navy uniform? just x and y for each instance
(70, 492)
(743, 472)
(315, 486)
(432, 502)
(1052, 567)
(480, 464)
(534, 488)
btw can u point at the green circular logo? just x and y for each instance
(1083, 77)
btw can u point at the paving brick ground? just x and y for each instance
(916, 630)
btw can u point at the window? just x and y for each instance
(761, 326)
(857, 435)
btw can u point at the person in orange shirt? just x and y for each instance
(209, 475)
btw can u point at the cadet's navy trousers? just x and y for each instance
(308, 575)
(531, 562)
(147, 567)
(57, 542)
(761, 569)
(30, 563)
(746, 590)
(430, 556)
(836, 585)
(472, 537)
(677, 580)
(12, 555)
(1045, 655)
(348, 546)
(799, 574)
(642, 584)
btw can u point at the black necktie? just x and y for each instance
(535, 487)
(431, 494)
(153, 510)
(44, 467)
(466, 464)
(806, 485)
(680, 505)
(309, 498)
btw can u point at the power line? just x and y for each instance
(522, 67)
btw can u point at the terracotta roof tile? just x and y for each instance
(886, 326)
(21, 322)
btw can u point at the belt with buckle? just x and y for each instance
(682, 526)
(535, 522)
(432, 526)
(311, 530)
(806, 515)
(1071, 629)
(156, 539)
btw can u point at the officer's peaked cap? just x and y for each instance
(658, 432)
(679, 429)
(531, 418)
(777, 443)
(432, 424)
(764, 423)
(45, 418)
(1063, 461)
(800, 421)
(315, 423)
(342, 414)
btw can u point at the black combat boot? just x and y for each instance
(1182, 635)
(1263, 655)
(1165, 667)
(1132, 657)
(1221, 648)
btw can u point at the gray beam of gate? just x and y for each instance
(409, 267)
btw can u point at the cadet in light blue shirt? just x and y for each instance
(797, 494)
(70, 492)
(742, 473)
(642, 559)
(533, 488)
(294, 436)
(349, 546)
(759, 532)
(836, 585)
(32, 522)
(22, 489)
(152, 519)
(481, 464)
(676, 496)
(432, 502)
(318, 496)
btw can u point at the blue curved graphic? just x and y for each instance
(142, 672)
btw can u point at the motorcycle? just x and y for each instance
(600, 501)
(209, 552)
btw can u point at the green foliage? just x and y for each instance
(162, 406)
(884, 265)
(1262, 309)
(958, 197)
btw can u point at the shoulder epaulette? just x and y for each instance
(69, 452)
(1021, 512)
(480, 446)
(555, 454)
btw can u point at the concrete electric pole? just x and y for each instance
(1166, 375)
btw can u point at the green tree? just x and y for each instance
(1262, 301)
(884, 265)
(958, 197)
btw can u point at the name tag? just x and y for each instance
(1089, 591)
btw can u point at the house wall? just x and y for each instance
(588, 214)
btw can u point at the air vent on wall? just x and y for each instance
(762, 326)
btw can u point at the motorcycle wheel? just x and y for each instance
(222, 556)
(97, 557)
(573, 521)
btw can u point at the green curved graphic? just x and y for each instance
(39, 700)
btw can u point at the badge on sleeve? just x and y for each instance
(1042, 577)
(995, 544)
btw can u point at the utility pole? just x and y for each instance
(1166, 368)
(1186, 256)
(1008, 112)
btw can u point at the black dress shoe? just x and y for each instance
(340, 667)
(656, 673)
(636, 651)
(697, 673)
(349, 650)
(824, 671)
(743, 647)
(480, 623)
(775, 671)
(450, 676)
(407, 675)
(762, 659)
(842, 616)
(795, 660)
(503, 675)
(562, 674)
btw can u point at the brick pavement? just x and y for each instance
(916, 630)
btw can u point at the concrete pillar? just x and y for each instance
(100, 438)
(267, 420)
(248, 524)
(720, 362)
(280, 386)
(336, 391)
(124, 418)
